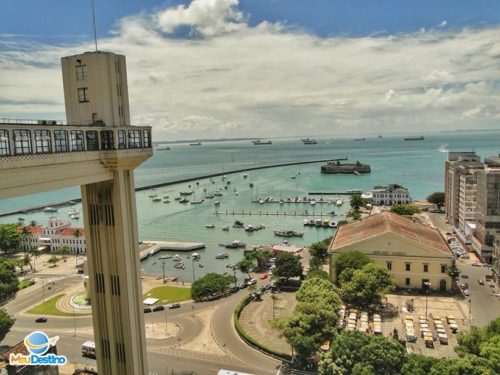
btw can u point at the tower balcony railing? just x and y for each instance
(20, 139)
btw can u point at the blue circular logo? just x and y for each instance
(37, 343)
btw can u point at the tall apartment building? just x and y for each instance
(488, 209)
(467, 190)
(452, 181)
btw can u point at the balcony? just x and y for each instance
(58, 155)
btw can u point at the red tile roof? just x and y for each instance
(389, 222)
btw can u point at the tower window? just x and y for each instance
(22, 142)
(42, 141)
(4, 143)
(83, 95)
(81, 72)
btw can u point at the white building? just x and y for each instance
(391, 195)
(55, 235)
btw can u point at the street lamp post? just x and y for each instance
(163, 265)
(74, 319)
(428, 286)
(166, 326)
(43, 291)
(192, 266)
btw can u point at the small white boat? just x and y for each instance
(166, 201)
(152, 195)
(165, 257)
(156, 199)
(245, 175)
(197, 201)
(75, 216)
(313, 202)
(210, 226)
(50, 209)
(225, 229)
(74, 211)
(339, 202)
(217, 203)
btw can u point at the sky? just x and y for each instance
(266, 68)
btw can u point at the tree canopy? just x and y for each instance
(5, 323)
(356, 201)
(405, 209)
(350, 259)
(319, 250)
(436, 198)
(209, 284)
(246, 265)
(367, 286)
(8, 280)
(10, 237)
(287, 266)
(315, 289)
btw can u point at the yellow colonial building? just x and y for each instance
(414, 253)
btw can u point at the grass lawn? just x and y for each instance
(169, 293)
(25, 283)
(49, 308)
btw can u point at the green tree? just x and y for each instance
(363, 369)
(209, 284)
(10, 237)
(63, 251)
(8, 280)
(246, 265)
(315, 264)
(350, 259)
(356, 201)
(5, 323)
(454, 271)
(319, 250)
(436, 198)
(53, 260)
(356, 215)
(307, 327)
(405, 209)
(418, 365)
(344, 353)
(316, 289)
(287, 266)
(386, 356)
(470, 365)
(367, 286)
(320, 274)
(490, 350)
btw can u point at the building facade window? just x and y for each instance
(389, 266)
(4, 143)
(83, 95)
(77, 140)
(134, 139)
(22, 142)
(426, 268)
(122, 143)
(407, 281)
(81, 72)
(443, 268)
(107, 140)
(147, 138)
(408, 266)
(92, 140)
(61, 141)
(42, 142)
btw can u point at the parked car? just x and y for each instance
(465, 256)
(466, 293)
(147, 310)
(481, 282)
(234, 289)
(41, 319)
(464, 286)
(476, 264)
(159, 308)
(251, 282)
(174, 306)
(464, 276)
(243, 285)
(263, 276)
(214, 296)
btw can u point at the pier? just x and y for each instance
(157, 246)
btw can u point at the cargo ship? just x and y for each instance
(421, 138)
(309, 141)
(259, 142)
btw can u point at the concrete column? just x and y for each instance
(114, 275)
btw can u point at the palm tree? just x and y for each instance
(356, 201)
(9, 237)
(34, 254)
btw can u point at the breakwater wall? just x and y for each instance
(154, 186)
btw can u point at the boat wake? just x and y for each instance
(443, 148)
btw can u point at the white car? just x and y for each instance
(466, 293)
(251, 282)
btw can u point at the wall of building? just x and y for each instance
(399, 251)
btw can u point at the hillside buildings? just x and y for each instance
(390, 195)
(414, 253)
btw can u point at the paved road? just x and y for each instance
(162, 354)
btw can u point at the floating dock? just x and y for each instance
(267, 213)
(157, 246)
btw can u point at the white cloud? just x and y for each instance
(236, 80)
